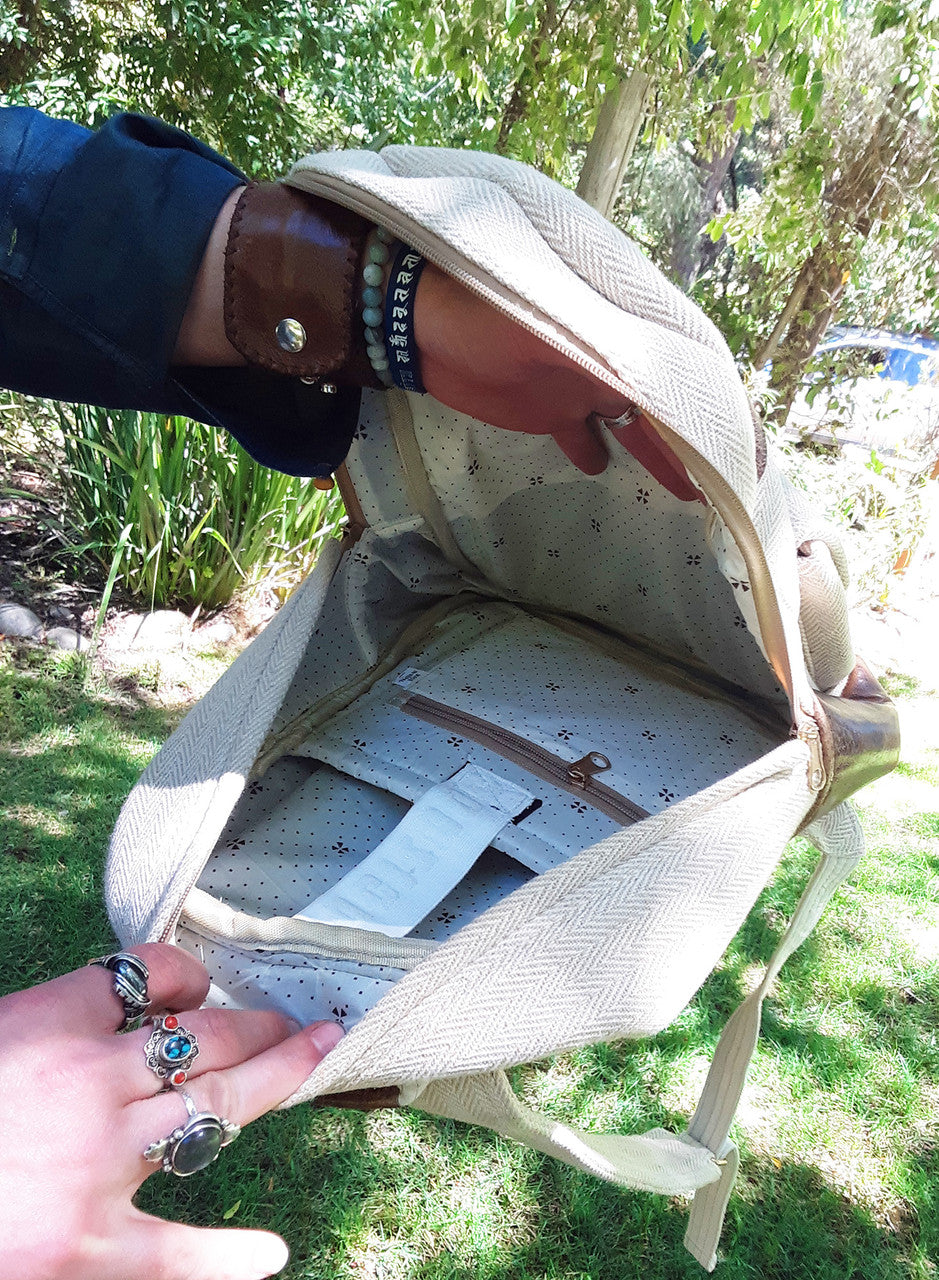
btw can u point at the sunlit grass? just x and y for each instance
(837, 1129)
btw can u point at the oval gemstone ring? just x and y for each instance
(195, 1144)
(171, 1050)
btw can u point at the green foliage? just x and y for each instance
(536, 73)
(185, 515)
(239, 73)
(854, 198)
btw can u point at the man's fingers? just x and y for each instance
(584, 447)
(168, 1251)
(647, 447)
(85, 999)
(242, 1092)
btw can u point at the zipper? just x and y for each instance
(204, 916)
(578, 777)
(809, 733)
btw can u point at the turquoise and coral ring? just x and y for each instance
(195, 1144)
(171, 1050)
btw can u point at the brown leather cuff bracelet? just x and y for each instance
(292, 296)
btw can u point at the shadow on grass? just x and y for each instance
(355, 1211)
(68, 758)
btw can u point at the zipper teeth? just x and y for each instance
(413, 234)
(538, 760)
(408, 957)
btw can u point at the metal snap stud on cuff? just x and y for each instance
(290, 335)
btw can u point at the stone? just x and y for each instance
(66, 638)
(177, 1048)
(58, 616)
(162, 629)
(218, 631)
(198, 1147)
(17, 620)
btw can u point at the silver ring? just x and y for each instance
(195, 1144)
(131, 976)
(171, 1050)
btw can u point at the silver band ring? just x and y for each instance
(195, 1144)
(130, 976)
(171, 1050)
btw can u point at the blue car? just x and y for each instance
(884, 395)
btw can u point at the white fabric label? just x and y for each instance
(407, 676)
(429, 851)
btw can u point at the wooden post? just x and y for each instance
(612, 143)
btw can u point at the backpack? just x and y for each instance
(508, 771)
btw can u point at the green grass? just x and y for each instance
(838, 1127)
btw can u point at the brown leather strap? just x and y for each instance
(860, 736)
(292, 288)
(360, 1099)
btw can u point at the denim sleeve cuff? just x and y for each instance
(115, 248)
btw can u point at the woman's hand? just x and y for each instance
(79, 1106)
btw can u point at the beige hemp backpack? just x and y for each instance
(580, 717)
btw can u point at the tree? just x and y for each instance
(864, 172)
(538, 73)
(236, 72)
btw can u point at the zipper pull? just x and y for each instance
(581, 771)
(809, 734)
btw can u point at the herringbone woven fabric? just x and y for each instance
(611, 944)
(176, 812)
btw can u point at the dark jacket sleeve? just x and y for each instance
(101, 235)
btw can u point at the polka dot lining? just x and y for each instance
(532, 529)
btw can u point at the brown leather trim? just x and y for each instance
(361, 1099)
(860, 737)
(295, 256)
(350, 500)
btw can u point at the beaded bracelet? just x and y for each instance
(377, 253)
(389, 337)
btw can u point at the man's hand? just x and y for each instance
(476, 360)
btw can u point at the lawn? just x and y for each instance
(838, 1127)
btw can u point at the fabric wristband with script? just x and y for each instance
(403, 357)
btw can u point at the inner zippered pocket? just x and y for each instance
(579, 777)
(610, 739)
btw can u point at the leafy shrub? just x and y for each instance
(179, 512)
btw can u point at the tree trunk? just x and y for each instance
(712, 203)
(692, 251)
(618, 125)
(855, 199)
(517, 105)
(810, 307)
